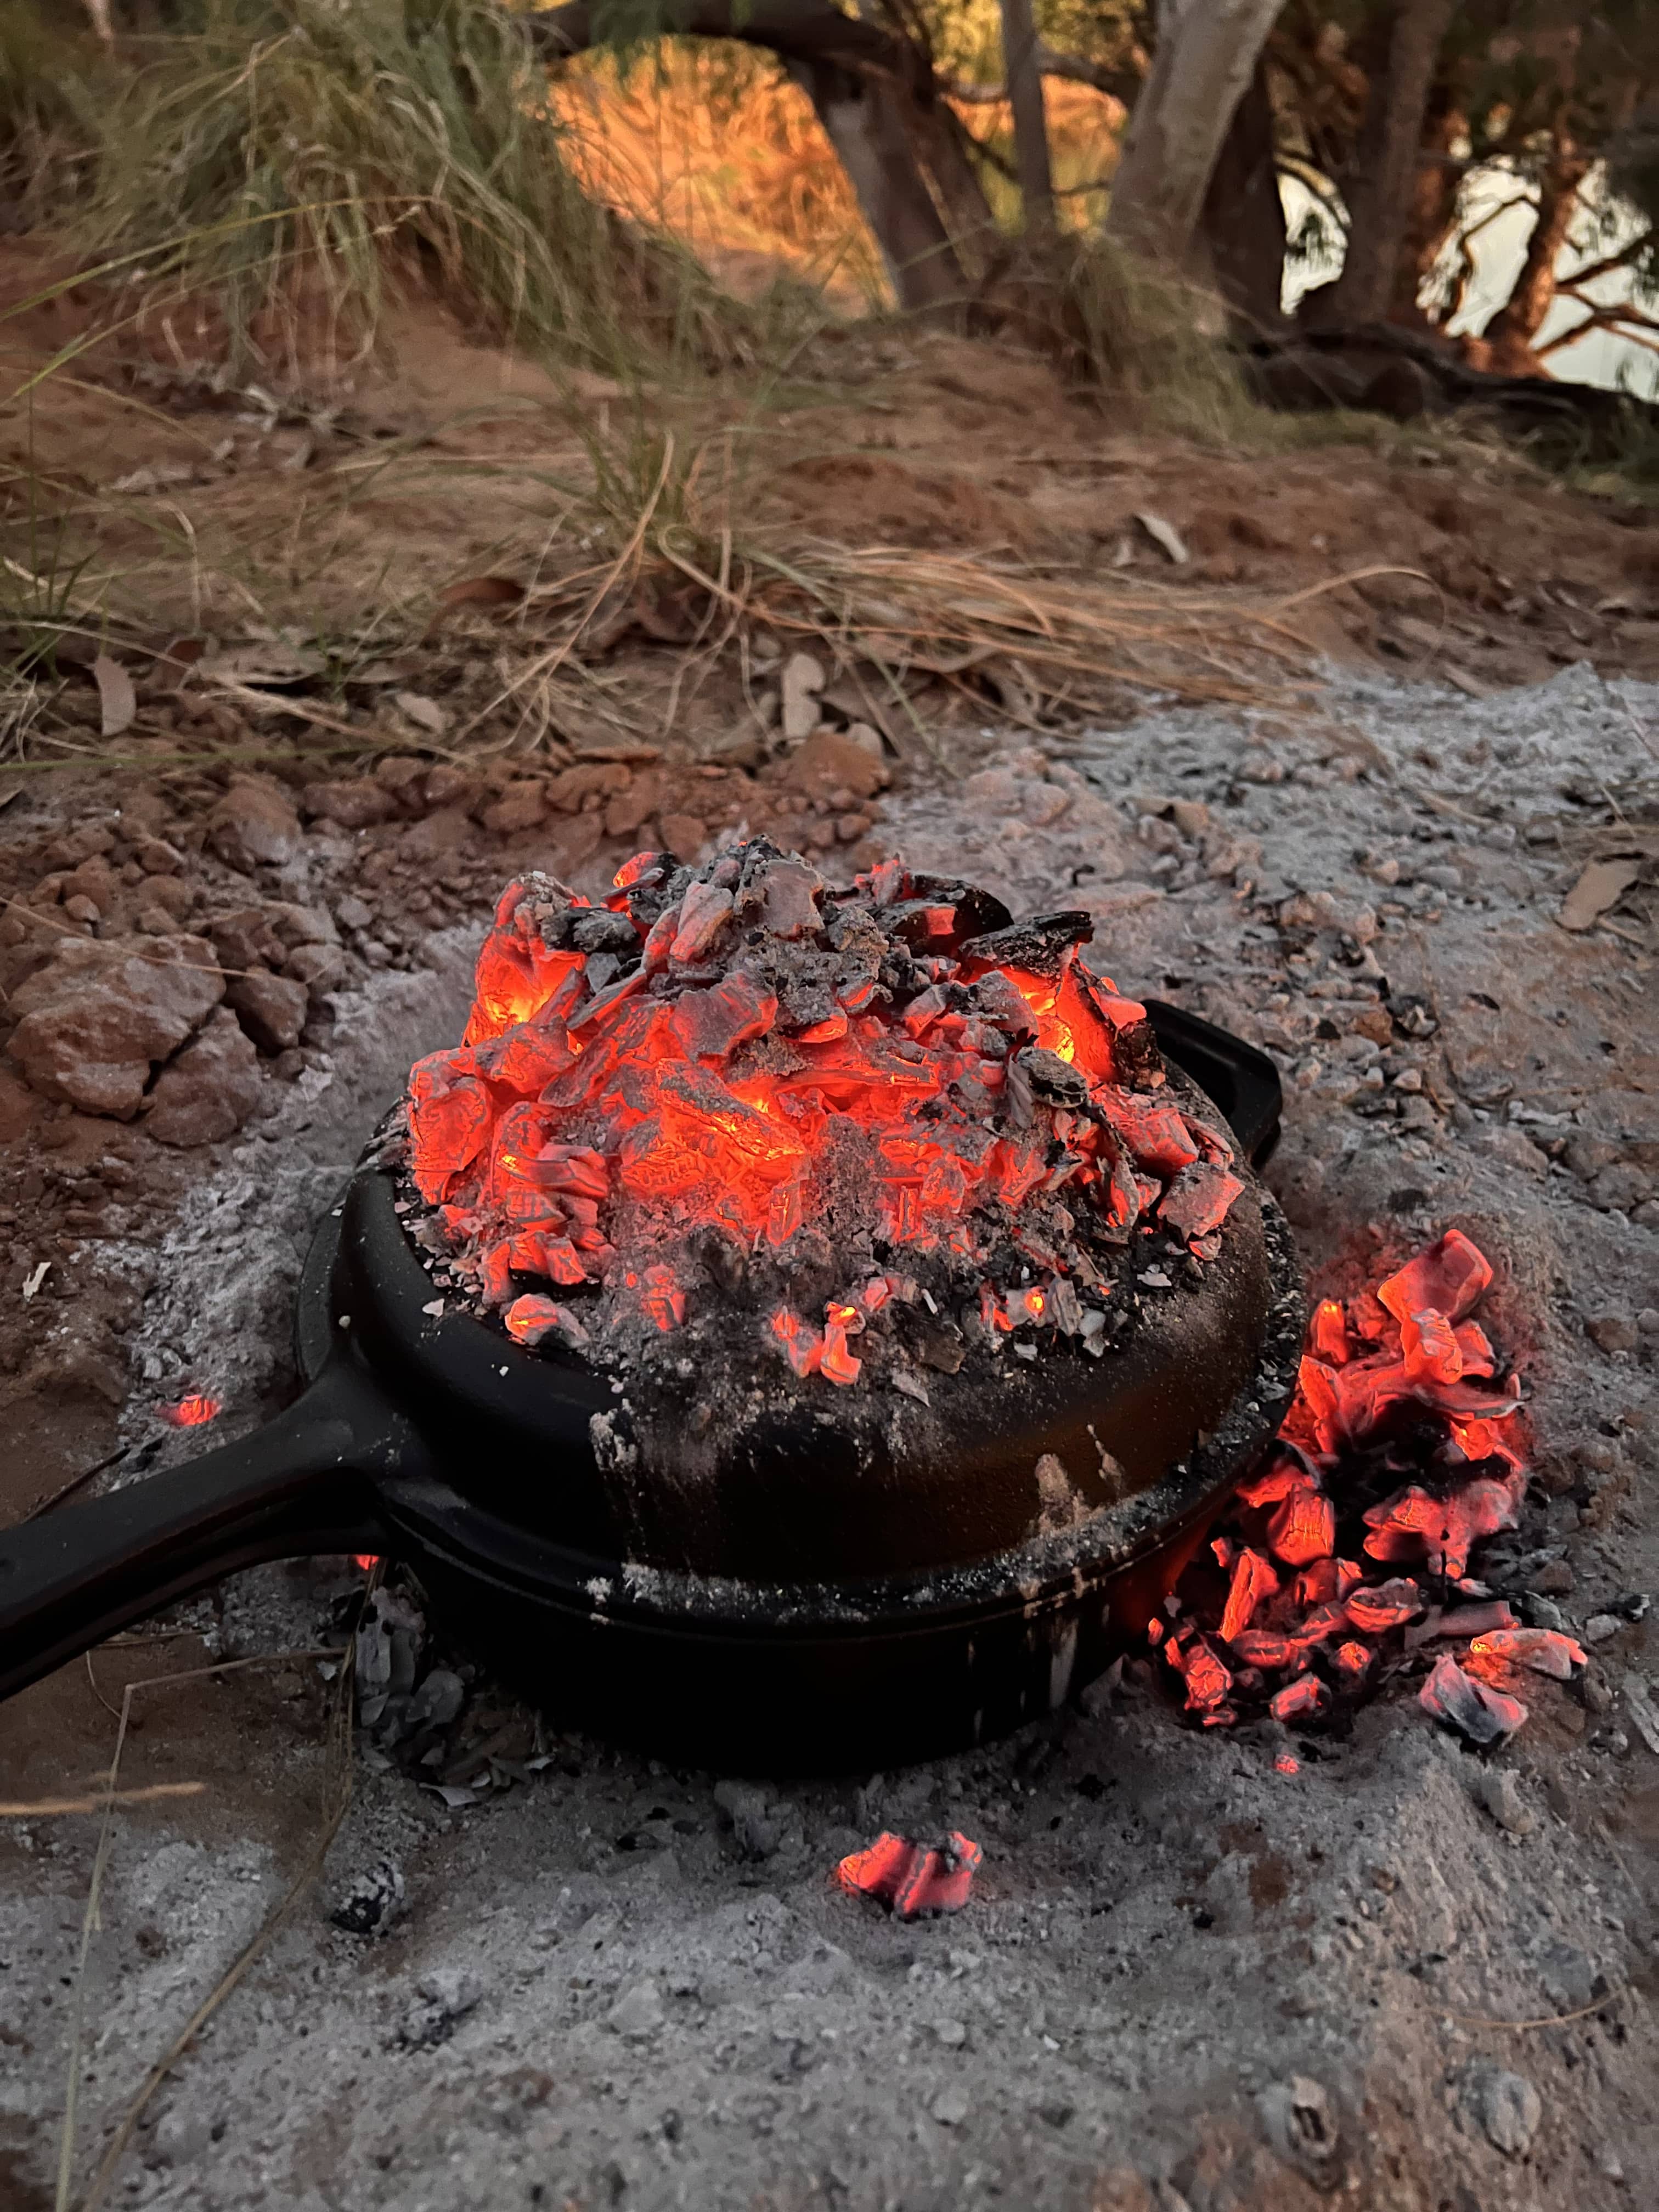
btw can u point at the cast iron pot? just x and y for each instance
(810, 1608)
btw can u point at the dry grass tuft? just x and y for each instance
(267, 186)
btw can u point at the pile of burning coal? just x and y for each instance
(1349, 1554)
(875, 1125)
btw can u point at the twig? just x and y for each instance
(75, 1482)
(42, 1807)
(90, 1920)
(1550, 2019)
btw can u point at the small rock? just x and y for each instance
(95, 1019)
(81, 908)
(1498, 1790)
(638, 2012)
(157, 858)
(1301, 2124)
(272, 1008)
(1503, 2106)
(371, 1903)
(953, 2034)
(1612, 1332)
(683, 834)
(521, 806)
(181, 2135)
(829, 762)
(357, 802)
(951, 2106)
(747, 1808)
(319, 966)
(209, 1089)
(1647, 1322)
(1601, 1627)
(253, 826)
(450, 1993)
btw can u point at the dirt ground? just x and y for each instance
(615, 1984)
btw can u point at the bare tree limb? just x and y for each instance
(1117, 84)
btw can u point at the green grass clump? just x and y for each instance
(290, 166)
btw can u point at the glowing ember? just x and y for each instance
(850, 1104)
(913, 1879)
(1401, 1451)
(193, 1413)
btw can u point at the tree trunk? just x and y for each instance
(874, 93)
(1019, 51)
(1386, 167)
(1206, 53)
(864, 119)
(1506, 346)
(1241, 228)
(1432, 210)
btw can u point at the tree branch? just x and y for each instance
(802, 31)
(1117, 84)
(1609, 262)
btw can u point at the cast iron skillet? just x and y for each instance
(813, 1607)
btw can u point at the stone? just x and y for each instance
(1612, 1332)
(1499, 1789)
(157, 858)
(951, 2106)
(1301, 2123)
(302, 925)
(1621, 1188)
(747, 1808)
(96, 1019)
(1503, 2106)
(521, 806)
(272, 1008)
(245, 938)
(210, 1089)
(683, 834)
(82, 909)
(319, 966)
(253, 826)
(448, 785)
(638, 2012)
(831, 763)
(1601, 1627)
(173, 894)
(571, 789)
(181, 2135)
(447, 1996)
(357, 802)
(371, 1902)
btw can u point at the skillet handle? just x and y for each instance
(300, 1486)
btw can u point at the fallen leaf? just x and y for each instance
(1602, 884)
(155, 476)
(1470, 686)
(802, 680)
(116, 696)
(267, 666)
(426, 714)
(1166, 538)
(482, 591)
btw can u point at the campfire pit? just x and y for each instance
(804, 1326)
